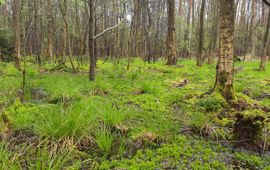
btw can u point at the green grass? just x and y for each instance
(78, 119)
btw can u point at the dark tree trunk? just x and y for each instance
(92, 41)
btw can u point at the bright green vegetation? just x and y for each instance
(149, 117)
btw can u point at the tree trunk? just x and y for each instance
(171, 35)
(225, 66)
(65, 33)
(92, 41)
(50, 28)
(214, 31)
(201, 37)
(187, 34)
(264, 49)
(16, 17)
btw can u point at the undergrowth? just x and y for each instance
(149, 117)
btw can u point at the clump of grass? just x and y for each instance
(104, 140)
(197, 120)
(101, 87)
(147, 87)
(46, 156)
(7, 161)
(111, 116)
(61, 123)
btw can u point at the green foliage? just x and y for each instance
(249, 125)
(177, 155)
(197, 120)
(251, 161)
(22, 116)
(104, 139)
(82, 120)
(147, 87)
(111, 116)
(72, 122)
(6, 161)
(45, 157)
(212, 103)
(6, 42)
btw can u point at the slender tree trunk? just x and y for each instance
(16, 17)
(171, 35)
(225, 66)
(65, 33)
(50, 28)
(214, 31)
(264, 49)
(37, 49)
(92, 41)
(201, 37)
(187, 34)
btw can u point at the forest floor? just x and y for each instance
(149, 117)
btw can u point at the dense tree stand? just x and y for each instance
(225, 66)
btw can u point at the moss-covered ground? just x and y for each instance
(151, 116)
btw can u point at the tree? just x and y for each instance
(171, 35)
(50, 28)
(16, 19)
(201, 37)
(225, 66)
(264, 48)
(63, 9)
(213, 32)
(92, 41)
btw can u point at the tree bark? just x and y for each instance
(264, 49)
(92, 41)
(225, 66)
(171, 35)
(50, 28)
(16, 17)
(201, 37)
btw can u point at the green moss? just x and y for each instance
(21, 115)
(249, 125)
(213, 103)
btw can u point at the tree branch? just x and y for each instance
(108, 29)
